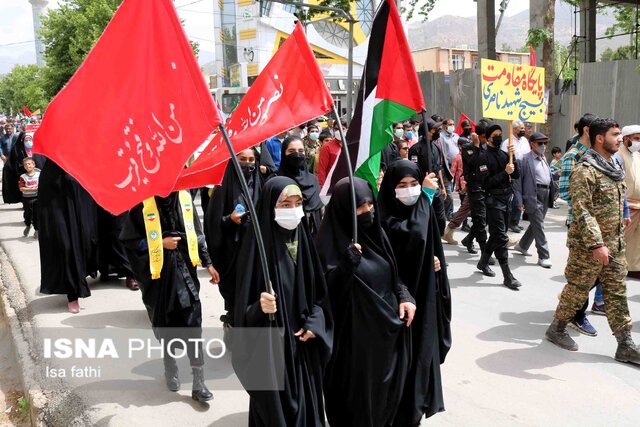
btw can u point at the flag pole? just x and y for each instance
(252, 213)
(345, 148)
(426, 137)
(510, 143)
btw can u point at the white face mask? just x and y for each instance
(451, 129)
(409, 195)
(635, 146)
(289, 218)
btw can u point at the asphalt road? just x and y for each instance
(500, 370)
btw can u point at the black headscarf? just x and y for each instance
(371, 352)
(296, 169)
(413, 232)
(302, 302)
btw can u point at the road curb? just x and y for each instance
(60, 407)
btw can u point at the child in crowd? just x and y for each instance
(28, 184)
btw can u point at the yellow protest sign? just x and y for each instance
(513, 91)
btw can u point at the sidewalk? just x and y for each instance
(499, 372)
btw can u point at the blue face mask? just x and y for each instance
(314, 136)
(28, 145)
(409, 134)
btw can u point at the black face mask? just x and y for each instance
(295, 160)
(365, 219)
(466, 132)
(247, 168)
(435, 135)
(520, 134)
(497, 140)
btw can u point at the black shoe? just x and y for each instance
(515, 229)
(468, 243)
(492, 261)
(465, 228)
(509, 281)
(483, 265)
(200, 392)
(520, 227)
(171, 373)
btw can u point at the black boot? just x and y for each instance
(492, 260)
(200, 392)
(557, 334)
(509, 281)
(627, 351)
(483, 265)
(467, 242)
(171, 373)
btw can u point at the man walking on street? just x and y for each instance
(497, 170)
(537, 189)
(596, 242)
(580, 322)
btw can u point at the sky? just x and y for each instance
(16, 27)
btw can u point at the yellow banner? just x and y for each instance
(513, 92)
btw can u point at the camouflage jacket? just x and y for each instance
(597, 210)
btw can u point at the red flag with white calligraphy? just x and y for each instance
(289, 91)
(150, 109)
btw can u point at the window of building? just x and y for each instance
(457, 61)
(475, 63)
(514, 60)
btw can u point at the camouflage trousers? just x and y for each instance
(581, 273)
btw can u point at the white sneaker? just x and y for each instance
(519, 249)
(544, 262)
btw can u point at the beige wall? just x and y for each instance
(440, 59)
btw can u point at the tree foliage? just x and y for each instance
(22, 87)
(69, 32)
(626, 22)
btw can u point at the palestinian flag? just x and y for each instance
(389, 93)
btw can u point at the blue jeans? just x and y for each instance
(598, 298)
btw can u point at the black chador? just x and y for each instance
(68, 234)
(415, 238)
(372, 348)
(294, 167)
(224, 236)
(295, 399)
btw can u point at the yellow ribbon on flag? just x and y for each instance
(153, 232)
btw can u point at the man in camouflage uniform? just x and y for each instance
(596, 242)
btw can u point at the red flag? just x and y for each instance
(26, 111)
(532, 56)
(464, 117)
(151, 109)
(289, 91)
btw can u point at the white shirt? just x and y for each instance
(543, 173)
(521, 146)
(450, 143)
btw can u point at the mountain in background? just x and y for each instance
(453, 31)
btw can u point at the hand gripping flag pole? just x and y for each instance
(345, 148)
(252, 213)
(427, 139)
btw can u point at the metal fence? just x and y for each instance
(608, 89)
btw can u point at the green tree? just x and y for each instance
(626, 21)
(69, 32)
(22, 86)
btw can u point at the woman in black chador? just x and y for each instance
(68, 235)
(13, 167)
(172, 298)
(372, 310)
(407, 218)
(227, 220)
(294, 166)
(297, 343)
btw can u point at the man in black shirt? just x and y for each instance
(475, 190)
(496, 173)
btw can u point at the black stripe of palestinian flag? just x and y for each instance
(389, 92)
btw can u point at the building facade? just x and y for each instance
(249, 32)
(446, 60)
